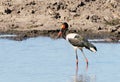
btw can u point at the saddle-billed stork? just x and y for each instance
(77, 41)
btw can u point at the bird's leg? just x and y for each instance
(76, 60)
(86, 60)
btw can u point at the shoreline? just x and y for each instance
(23, 35)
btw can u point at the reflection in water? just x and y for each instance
(83, 77)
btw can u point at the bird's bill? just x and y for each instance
(59, 34)
(63, 27)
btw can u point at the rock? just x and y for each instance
(51, 12)
(95, 18)
(87, 0)
(113, 30)
(81, 4)
(8, 11)
(74, 9)
(57, 16)
(93, 0)
(18, 12)
(88, 17)
(112, 3)
(57, 6)
(99, 28)
(118, 29)
(33, 11)
(31, 3)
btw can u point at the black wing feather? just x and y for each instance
(78, 41)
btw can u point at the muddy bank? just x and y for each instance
(32, 18)
(23, 35)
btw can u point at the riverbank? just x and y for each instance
(32, 18)
(23, 35)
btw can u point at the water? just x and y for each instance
(7, 35)
(45, 60)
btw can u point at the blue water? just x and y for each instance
(45, 60)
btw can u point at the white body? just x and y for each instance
(71, 35)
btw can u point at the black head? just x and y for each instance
(64, 25)
(64, 28)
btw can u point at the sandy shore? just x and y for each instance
(32, 18)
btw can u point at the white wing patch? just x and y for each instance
(71, 35)
(92, 49)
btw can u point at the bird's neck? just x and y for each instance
(65, 33)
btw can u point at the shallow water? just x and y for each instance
(45, 60)
(7, 35)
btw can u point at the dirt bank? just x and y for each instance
(90, 18)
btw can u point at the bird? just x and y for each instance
(77, 41)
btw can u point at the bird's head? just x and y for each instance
(64, 28)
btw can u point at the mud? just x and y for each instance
(33, 18)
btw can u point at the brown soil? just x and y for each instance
(31, 18)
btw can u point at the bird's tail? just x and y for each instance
(90, 46)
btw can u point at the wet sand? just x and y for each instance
(23, 35)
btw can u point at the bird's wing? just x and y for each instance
(78, 41)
